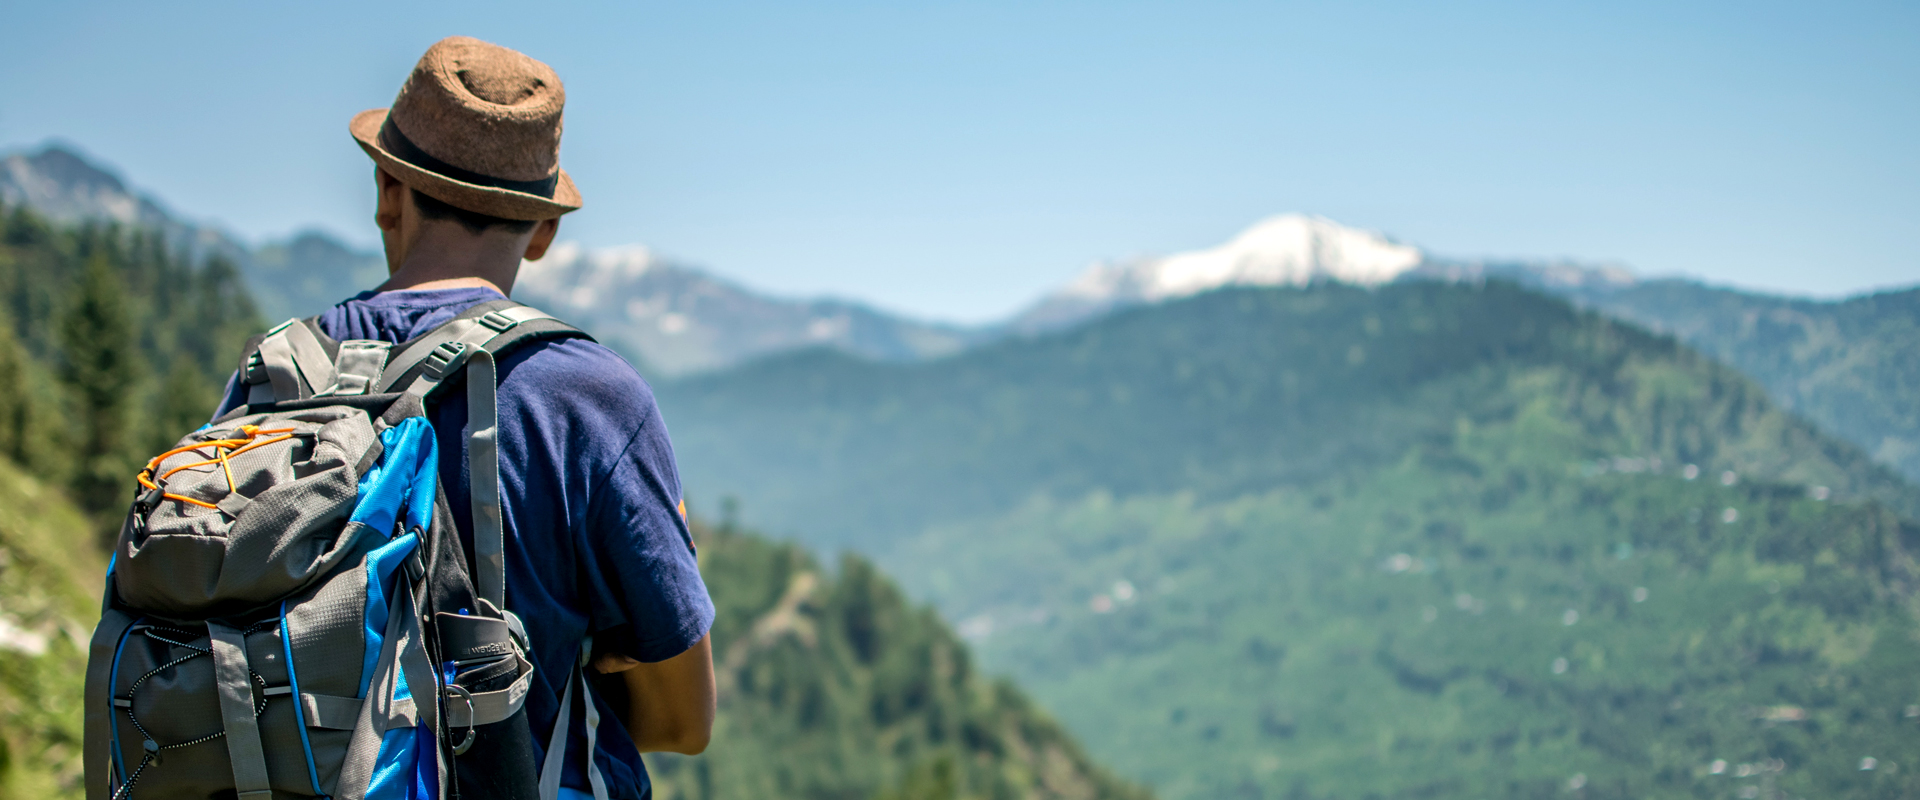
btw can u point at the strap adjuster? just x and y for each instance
(446, 358)
(498, 322)
(256, 371)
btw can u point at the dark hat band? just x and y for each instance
(399, 146)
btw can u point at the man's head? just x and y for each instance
(411, 221)
(468, 159)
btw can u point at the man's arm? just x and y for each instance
(671, 703)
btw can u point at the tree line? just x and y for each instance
(114, 341)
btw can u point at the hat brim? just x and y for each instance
(489, 200)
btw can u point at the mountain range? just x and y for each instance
(1843, 364)
(668, 317)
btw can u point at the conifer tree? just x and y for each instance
(100, 369)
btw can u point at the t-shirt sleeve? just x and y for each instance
(650, 603)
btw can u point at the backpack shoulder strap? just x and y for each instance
(498, 326)
(474, 339)
(293, 361)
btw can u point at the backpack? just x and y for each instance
(290, 611)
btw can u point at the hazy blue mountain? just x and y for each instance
(679, 319)
(1850, 365)
(1166, 395)
(306, 274)
(300, 276)
(672, 317)
(64, 187)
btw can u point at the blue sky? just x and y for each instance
(954, 160)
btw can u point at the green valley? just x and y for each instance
(1428, 540)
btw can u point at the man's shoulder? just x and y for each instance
(576, 372)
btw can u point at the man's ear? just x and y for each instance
(393, 196)
(543, 234)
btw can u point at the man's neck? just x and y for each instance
(397, 283)
(442, 259)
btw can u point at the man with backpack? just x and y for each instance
(555, 486)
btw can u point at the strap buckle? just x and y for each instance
(256, 371)
(498, 322)
(446, 358)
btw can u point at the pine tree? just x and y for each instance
(186, 399)
(100, 369)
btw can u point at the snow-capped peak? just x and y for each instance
(579, 279)
(1285, 250)
(1290, 249)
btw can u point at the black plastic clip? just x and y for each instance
(446, 358)
(498, 322)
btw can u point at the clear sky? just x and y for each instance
(954, 160)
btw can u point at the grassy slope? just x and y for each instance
(50, 576)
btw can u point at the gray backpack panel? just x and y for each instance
(232, 657)
(276, 525)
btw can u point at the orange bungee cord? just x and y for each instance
(224, 449)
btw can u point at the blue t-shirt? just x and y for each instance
(595, 544)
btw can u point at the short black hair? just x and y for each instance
(473, 221)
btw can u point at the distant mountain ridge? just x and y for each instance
(672, 318)
(64, 187)
(1851, 365)
(295, 277)
(1289, 250)
(680, 320)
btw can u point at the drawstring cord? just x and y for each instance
(224, 450)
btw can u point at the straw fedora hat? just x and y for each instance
(477, 126)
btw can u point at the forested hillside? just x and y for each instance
(833, 685)
(1852, 366)
(111, 345)
(1429, 540)
(1235, 391)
